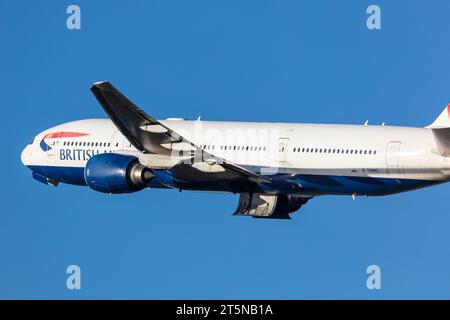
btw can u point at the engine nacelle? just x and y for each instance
(116, 173)
(260, 205)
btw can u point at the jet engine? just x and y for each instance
(116, 173)
(260, 205)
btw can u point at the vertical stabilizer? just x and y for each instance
(443, 121)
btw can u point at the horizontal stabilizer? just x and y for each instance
(441, 132)
(442, 138)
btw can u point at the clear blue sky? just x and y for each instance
(224, 60)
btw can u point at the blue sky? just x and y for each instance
(290, 61)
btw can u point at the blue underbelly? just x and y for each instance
(70, 175)
(283, 183)
(330, 184)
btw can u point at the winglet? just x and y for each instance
(443, 121)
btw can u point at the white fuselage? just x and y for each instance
(384, 152)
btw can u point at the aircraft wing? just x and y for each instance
(148, 135)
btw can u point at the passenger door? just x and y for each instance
(392, 154)
(53, 153)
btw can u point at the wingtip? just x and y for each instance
(101, 84)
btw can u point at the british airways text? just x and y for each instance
(78, 154)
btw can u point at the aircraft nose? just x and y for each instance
(25, 155)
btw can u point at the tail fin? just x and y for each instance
(441, 131)
(443, 121)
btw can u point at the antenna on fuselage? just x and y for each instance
(366, 123)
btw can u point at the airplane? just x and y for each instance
(275, 168)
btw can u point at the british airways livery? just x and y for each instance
(274, 167)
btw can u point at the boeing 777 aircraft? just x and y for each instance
(274, 167)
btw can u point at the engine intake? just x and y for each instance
(116, 173)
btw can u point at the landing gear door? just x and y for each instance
(280, 152)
